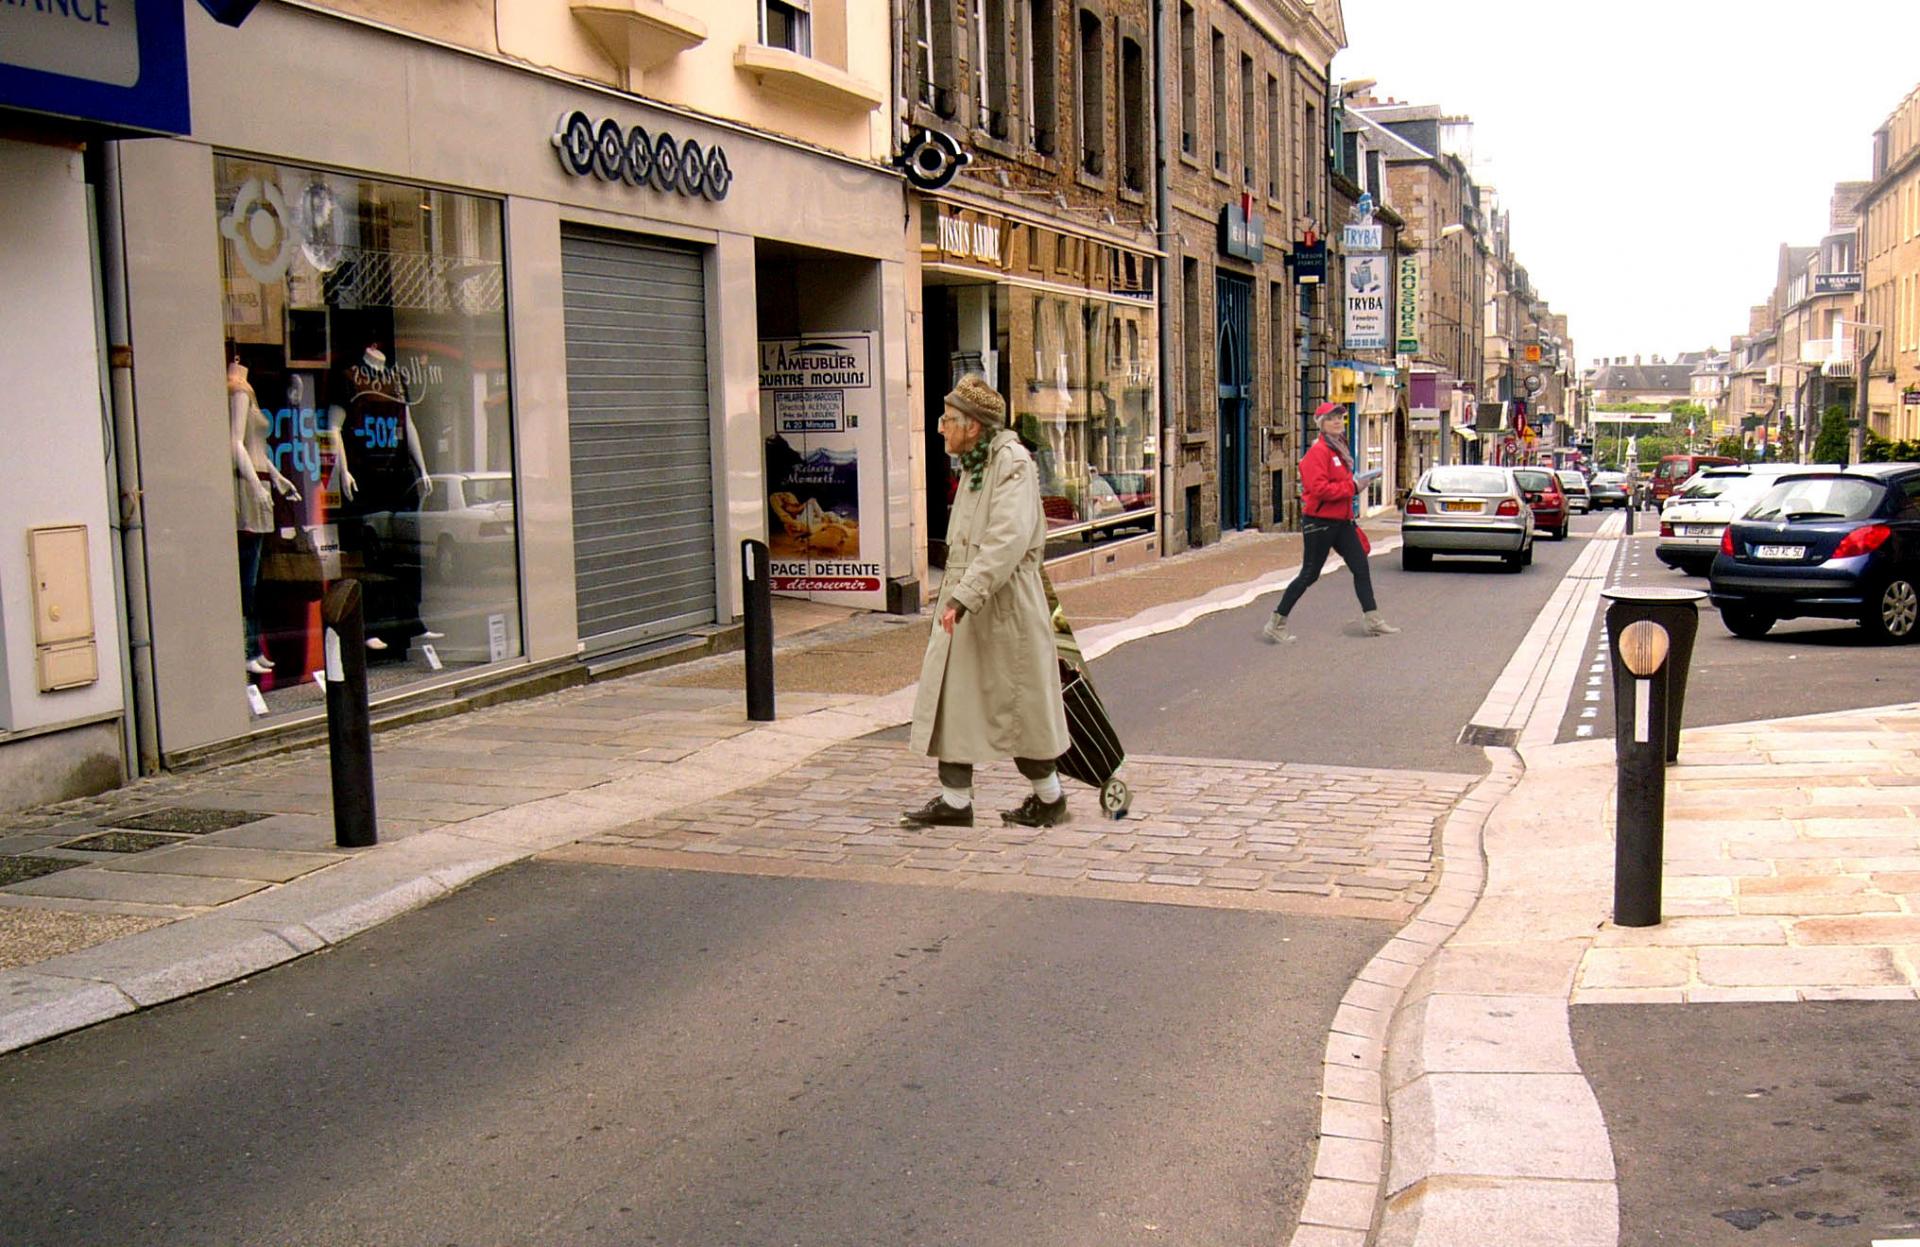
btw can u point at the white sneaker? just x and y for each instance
(1276, 630)
(1377, 626)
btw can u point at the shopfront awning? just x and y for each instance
(1465, 434)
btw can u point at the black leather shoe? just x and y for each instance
(1034, 812)
(937, 813)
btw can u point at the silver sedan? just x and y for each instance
(1466, 509)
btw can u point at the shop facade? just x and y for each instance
(490, 342)
(68, 85)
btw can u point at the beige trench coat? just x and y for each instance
(992, 689)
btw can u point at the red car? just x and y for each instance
(1549, 504)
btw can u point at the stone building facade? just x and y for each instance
(1245, 90)
(1890, 245)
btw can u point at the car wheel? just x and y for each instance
(1561, 533)
(1526, 556)
(1517, 560)
(1893, 614)
(1746, 623)
(1412, 560)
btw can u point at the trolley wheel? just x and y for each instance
(1115, 798)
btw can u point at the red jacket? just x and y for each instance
(1327, 487)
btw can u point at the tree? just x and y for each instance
(1733, 447)
(1832, 443)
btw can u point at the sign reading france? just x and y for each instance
(121, 64)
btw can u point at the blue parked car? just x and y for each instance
(1833, 545)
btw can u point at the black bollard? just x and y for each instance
(349, 731)
(1676, 610)
(757, 580)
(1645, 629)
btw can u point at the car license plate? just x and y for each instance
(1460, 506)
(1779, 552)
(1698, 530)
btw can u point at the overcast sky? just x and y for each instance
(1654, 153)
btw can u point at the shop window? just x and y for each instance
(787, 24)
(1042, 66)
(1194, 338)
(368, 403)
(1316, 158)
(1082, 400)
(1133, 115)
(1092, 117)
(1189, 75)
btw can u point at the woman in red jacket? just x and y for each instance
(1328, 491)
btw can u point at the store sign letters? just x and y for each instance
(633, 157)
(122, 62)
(979, 240)
(1409, 324)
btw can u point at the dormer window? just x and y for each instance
(787, 24)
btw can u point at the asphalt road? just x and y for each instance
(1803, 666)
(579, 1054)
(1336, 696)
(1759, 1124)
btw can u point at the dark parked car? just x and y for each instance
(1835, 545)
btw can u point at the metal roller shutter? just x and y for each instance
(639, 429)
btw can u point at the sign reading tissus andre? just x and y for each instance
(820, 415)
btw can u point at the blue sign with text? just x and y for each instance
(121, 64)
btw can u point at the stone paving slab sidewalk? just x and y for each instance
(1358, 842)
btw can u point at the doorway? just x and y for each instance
(1236, 400)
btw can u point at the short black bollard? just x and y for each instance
(1676, 610)
(349, 732)
(1645, 629)
(757, 579)
(1632, 506)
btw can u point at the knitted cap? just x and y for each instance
(1329, 409)
(974, 397)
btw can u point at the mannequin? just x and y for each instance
(374, 432)
(253, 473)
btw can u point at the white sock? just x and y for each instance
(1047, 788)
(958, 798)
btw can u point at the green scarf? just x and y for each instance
(974, 462)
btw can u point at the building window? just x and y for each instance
(990, 66)
(1189, 72)
(1042, 68)
(1315, 163)
(1195, 340)
(371, 419)
(787, 24)
(1273, 137)
(1219, 102)
(1133, 114)
(1248, 149)
(1093, 97)
(920, 35)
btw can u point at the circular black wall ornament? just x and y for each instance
(574, 141)
(931, 159)
(719, 175)
(693, 170)
(610, 151)
(666, 163)
(639, 156)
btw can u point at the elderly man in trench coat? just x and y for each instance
(990, 685)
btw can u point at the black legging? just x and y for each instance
(1322, 536)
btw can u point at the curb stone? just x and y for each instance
(1352, 1154)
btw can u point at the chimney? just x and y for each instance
(1636, 361)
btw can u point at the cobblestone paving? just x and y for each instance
(1264, 832)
